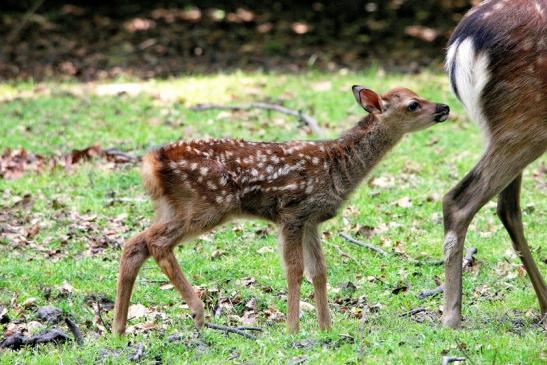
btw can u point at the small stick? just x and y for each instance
(448, 359)
(245, 328)
(99, 314)
(467, 261)
(308, 120)
(138, 354)
(431, 293)
(230, 330)
(426, 262)
(75, 331)
(344, 254)
(413, 312)
(362, 244)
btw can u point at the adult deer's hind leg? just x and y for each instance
(316, 269)
(510, 215)
(291, 247)
(500, 164)
(135, 252)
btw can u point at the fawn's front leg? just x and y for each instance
(316, 269)
(291, 241)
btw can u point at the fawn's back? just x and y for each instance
(221, 178)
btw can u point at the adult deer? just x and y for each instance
(497, 63)
(197, 185)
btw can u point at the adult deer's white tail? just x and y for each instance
(497, 63)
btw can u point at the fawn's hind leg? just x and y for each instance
(135, 252)
(163, 238)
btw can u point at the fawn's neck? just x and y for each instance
(360, 149)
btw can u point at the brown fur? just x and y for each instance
(197, 185)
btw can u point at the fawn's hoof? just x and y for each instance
(452, 321)
(198, 315)
(118, 330)
(325, 326)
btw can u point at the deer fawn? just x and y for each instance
(197, 185)
(497, 63)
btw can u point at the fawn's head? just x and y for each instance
(401, 108)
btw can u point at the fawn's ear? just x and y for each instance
(368, 99)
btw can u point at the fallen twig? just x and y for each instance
(138, 354)
(413, 312)
(308, 120)
(99, 314)
(75, 331)
(230, 330)
(17, 340)
(246, 328)
(344, 254)
(362, 244)
(426, 262)
(467, 261)
(448, 359)
(431, 292)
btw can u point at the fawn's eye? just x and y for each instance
(413, 106)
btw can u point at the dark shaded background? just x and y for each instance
(100, 39)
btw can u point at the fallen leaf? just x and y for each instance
(30, 302)
(404, 202)
(137, 311)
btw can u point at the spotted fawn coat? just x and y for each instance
(197, 185)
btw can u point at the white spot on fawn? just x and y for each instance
(203, 171)
(193, 166)
(289, 187)
(315, 160)
(223, 180)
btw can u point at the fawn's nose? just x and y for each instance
(442, 109)
(441, 112)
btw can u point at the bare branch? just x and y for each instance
(99, 314)
(304, 118)
(431, 293)
(413, 312)
(230, 330)
(248, 328)
(364, 245)
(75, 331)
(466, 262)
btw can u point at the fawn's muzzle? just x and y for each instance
(441, 113)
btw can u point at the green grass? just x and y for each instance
(500, 307)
